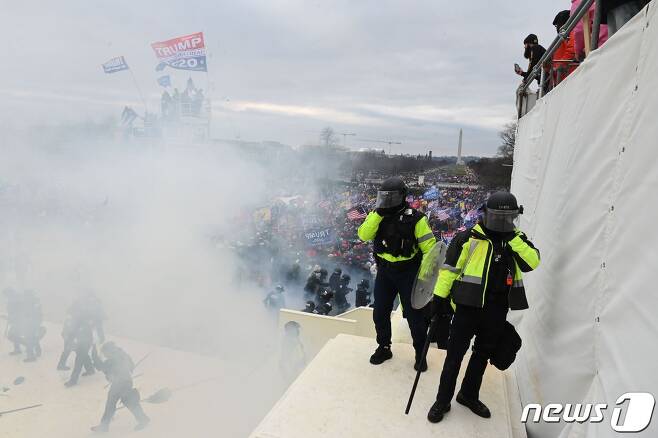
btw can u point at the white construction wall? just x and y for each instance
(585, 170)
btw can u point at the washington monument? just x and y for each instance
(460, 162)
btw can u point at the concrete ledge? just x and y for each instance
(340, 394)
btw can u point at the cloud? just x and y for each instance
(391, 66)
(324, 114)
(492, 117)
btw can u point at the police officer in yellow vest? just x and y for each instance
(402, 236)
(482, 275)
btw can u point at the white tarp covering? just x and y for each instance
(585, 168)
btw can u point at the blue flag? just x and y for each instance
(115, 64)
(431, 194)
(164, 81)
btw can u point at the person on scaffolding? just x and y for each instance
(533, 52)
(402, 237)
(482, 276)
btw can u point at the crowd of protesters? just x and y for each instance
(574, 48)
(301, 234)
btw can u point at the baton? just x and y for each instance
(19, 409)
(426, 347)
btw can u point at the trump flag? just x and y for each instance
(184, 53)
(115, 64)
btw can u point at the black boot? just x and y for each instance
(101, 428)
(476, 406)
(142, 423)
(436, 412)
(421, 364)
(381, 354)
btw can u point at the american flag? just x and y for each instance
(442, 215)
(357, 213)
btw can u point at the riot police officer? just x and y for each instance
(482, 275)
(275, 299)
(323, 308)
(362, 298)
(118, 367)
(324, 299)
(312, 283)
(334, 279)
(341, 293)
(13, 330)
(402, 236)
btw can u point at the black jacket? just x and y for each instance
(536, 53)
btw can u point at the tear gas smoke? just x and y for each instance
(147, 227)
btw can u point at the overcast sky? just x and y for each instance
(408, 71)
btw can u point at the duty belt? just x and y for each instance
(403, 265)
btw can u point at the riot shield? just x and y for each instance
(428, 273)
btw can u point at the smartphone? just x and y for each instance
(517, 68)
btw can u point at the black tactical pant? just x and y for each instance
(390, 282)
(486, 325)
(68, 349)
(32, 343)
(129, 396)
(82, 359)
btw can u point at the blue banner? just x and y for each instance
(115, 64)
(319, 237)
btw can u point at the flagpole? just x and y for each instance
(209, 87)
(146, 110)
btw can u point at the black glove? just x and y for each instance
(389, 211)
(440, 307)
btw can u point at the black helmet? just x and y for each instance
(392, 193)
(365, 282)
(338, 271)
(502, 201)
(531, 39)
(279, 288)
(346, 277)
(561, 19)
(500, 211)
(108, 348)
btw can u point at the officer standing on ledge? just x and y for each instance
(402, 236)
(482, 274)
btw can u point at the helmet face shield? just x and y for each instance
(389, 199)
(502, 221)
